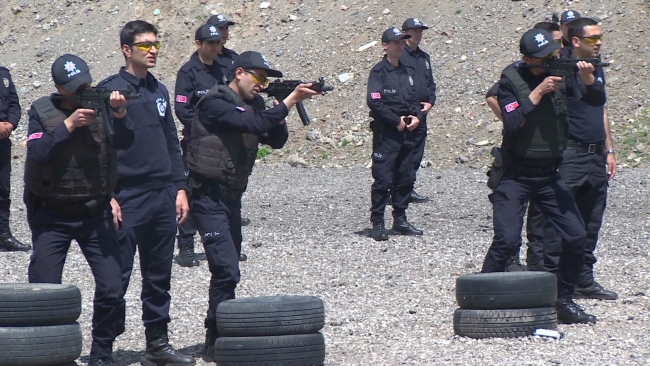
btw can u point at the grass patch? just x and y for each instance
(263, 152)
(634, 137)
(324, 155)
(459, 11)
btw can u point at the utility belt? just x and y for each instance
(595, 148)
(199, 186)
(93, 207)
(533, 168)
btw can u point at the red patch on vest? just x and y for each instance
(512, 106)
(181, 99)
(241, 109)
(35, 136)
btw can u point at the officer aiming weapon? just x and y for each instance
(566, 67)
(282, 88)
(97, 98)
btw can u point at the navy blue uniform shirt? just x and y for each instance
(225, 60)
(9, 102)
(514, 111)
(154, 160)
(193, 81)
(219, 112)
(421, 62)
(391, 93)
(586, 122)
(43, 146)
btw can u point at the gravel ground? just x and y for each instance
(389, 303)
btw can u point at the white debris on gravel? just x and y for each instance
(388, 303)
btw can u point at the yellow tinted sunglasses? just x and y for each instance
(258, 79)
(592, 40)
(146, 46)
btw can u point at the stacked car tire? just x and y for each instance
(272, 330)
(505, 305)
(38, 324)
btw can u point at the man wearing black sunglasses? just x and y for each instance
(230, 121)
(533, 106)
(150, 190)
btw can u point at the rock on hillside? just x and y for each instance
(470, 41)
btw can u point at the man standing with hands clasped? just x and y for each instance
(396, 113)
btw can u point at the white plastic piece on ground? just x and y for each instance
(548, 333)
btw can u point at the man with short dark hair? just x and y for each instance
(229, 123)
(194, 80)
(419, 60)
(150, 188)
(226, 57)
(9, 117)
(70, 174)
(533, 106)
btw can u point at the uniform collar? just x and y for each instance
(390, 66)
(136, 80)
(197, 61)
(408, 49)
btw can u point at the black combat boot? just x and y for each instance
(379, 232)
(211, 335)
(10, 244)
(403, 227)
(594, 291)
(186, 256)
(568, 312)
(514, 265)
(418, 198)
(160, 352)
(101, 361)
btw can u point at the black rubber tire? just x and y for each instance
(506, 323)
(287, 350)
(37, 304)
(40, 346)
(506, 290)
(270, 316)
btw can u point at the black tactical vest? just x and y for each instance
(225, 157)
(84, 169)
(544, 132)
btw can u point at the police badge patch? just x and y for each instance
(6, 82)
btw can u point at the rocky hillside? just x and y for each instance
(470, 41)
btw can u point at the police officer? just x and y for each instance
(9, 117)
(415, 57)
(396, 113)
(229, 123)
(533, 105)
(588, 164)
(150, 188)
(534, 228)
(70, 174)
(193, 81)
(565, 19)
(226, 57)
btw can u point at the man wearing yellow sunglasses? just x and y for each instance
(229, 124)
(150, 194)
(588, 163)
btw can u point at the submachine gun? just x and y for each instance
(281, 89)
(97, 98)
(566, 67)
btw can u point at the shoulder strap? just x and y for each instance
(45, 110)
(235, 97)
(521, 87)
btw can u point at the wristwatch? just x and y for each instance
(119, 110)
(610, 151)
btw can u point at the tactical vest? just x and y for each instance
(85, 168)
(225, 157)
(544, 132)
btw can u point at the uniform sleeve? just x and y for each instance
(513, 111)
(184, 91)
(43, 146)
(596, 95)
(431, 83)
(174, 149)
(373, 98)
(217, 113)
(14, 112)
(493, 90)
(277, 137)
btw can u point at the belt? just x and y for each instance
(532, 172)
(90, 208)
(586, 148)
